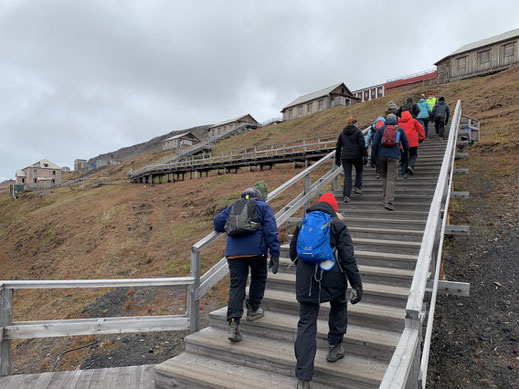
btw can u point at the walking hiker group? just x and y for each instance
(322, 250)
(321, 246)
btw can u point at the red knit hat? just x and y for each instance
(330, 199)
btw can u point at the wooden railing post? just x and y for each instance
(6, 319)
(308, 185)
(193, 301)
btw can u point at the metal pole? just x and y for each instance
(6, 319)
(308, 184)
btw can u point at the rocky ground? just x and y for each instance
(476, 339)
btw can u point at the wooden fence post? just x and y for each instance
(6, 319)
(193, 302)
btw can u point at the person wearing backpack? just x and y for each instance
(375, 126)
(319, 236)
(440, 115)
(350, 151)
(391, 108)
(408, 106)
(415, 135)
(424, 115)
(251, 233)
(386, 148)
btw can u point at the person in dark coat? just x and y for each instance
(332, 288)
(409, 106)
(246, 252)
(440, 115)
(350, 151)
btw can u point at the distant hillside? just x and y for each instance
(155, 144)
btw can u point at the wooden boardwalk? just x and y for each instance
(302, 150)
(133, 377)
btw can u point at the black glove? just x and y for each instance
(274, 264)
(365, 160)
(338, 164)
(373, 164)
(356, 295)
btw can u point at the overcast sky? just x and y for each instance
(83, 77)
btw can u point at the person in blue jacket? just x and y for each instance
(388, 157)
(424, 115)
(246, 252)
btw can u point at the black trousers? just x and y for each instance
(439, 125)
(347, 166)
(409, 162)
(239, 271)
(305, 344)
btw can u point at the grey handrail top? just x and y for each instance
(93, 283)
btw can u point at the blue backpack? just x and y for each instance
(313, 242)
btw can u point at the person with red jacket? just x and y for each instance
(415, 135)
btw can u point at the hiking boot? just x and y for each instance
(335, 353)
(303, 384)
(253, 314)
(389, 206)
(346, 199)
(357, 190)
(410, 170)
(404, 175)
(234, 332)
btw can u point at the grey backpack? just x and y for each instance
(243, 218)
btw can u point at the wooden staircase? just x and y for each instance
(386, 246)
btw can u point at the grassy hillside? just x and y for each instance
(135, 230)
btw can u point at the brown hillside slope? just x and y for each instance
(131, 230)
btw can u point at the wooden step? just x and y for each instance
(361, 204)
(362, 314)
(365, 342)
(386, 233)
(382, 213)
(418, 225)
(276, 356)
(195, 371)
(382, 294)
(382, 259)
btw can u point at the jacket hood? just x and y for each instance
(440, 102)
(349, 129)
(406, 116)
(409, 99)
(253, 193)
(422, 100)
(323, 207)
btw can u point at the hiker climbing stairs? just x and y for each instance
(386, 245)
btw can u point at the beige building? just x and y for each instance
(42, 174)
(246, 121)
(319, 101)
(80, 165)
(482, 57)
(180, 141)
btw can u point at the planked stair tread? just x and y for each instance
(367, 287)
(361, 308)
(279, 356)
(288, 322)
(385, 230)
(208, 373)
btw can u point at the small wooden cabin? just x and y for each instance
(486, 56)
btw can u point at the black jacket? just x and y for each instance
(334, 282)
(441, 111)
(350, 144)
(409, 106)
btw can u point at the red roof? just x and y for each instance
(411, 80)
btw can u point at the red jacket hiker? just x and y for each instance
(412, 127)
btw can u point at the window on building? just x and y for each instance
(321, 104)
(461, 63)
(509, 51)
(54, 172)
(23, 180)
(342, 90)
(380, 92)
(290, 113)
(309, 107)
(35, 180)
(300, 110)
(35, 171)
(46, 165)
(53, 181)
(484, 57)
